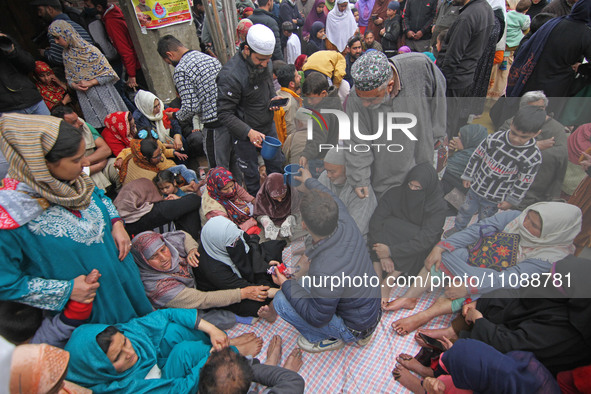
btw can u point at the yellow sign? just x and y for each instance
(154, 14)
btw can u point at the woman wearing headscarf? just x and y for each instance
(317, 40)
(52, 213)
(273, 207)
(89, 73)
(511, 243)
(406, 224)
(315, 15)
(582, 199)
(545, 61)
(162, 352)
(53, 91)
(143, 208)
(119, 129)
(229, 258)
(471, 366)
(377, 18)
(224, 197)
(577, 142)
(147, 157)
(340, 26)
(468, 139)
(150, 115)
(165, 262)
(39, 369)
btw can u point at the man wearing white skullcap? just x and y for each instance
(334, 177)
(245, 90)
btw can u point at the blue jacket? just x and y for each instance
(342, 254)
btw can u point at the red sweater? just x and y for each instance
(117, 30)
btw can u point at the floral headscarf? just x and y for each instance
(52, 93)
(117, 124)
(237, 209)
(82, 61)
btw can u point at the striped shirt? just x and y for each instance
(499, 171)
(194, 78)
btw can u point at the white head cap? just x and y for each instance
(261, 39)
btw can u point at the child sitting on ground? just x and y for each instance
(502, 168)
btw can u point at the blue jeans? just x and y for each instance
(38, 109)
(182, 169)
(335, 328)
(474, 203)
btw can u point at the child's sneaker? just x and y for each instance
(322, 346)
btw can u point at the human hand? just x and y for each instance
(79, 86)
(382, 32)
(193, 257)
(382, 251)
(255, 293)
(181, 156)
(131, 82)
(387, 265)
(275, 108)
(467, 307)
(121, 239)
(118, 163)
(278, 277)
(256, 137)
(362, 191)
(472, 315)
(418, 35)
(466, 184)
(303, 162)
(447, 344)
(171, 197)
(503, 206)
(219, 339)
(434, 258)
(410, 34)
(378, 21)
(433, 386)
(82, 291)
(67, 99)
(93, 277)
(545, 144)
(456, 144)
(178, 142)
(305, 175)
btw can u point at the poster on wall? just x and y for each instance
(154, 14)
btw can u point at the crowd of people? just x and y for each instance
(133, 232)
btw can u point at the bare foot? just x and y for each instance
(411, 363)
(251, 348)
(294, 361)
(268, 313)
(438, 333)
(242, 339)
(408, 380)
(274, 351)
(409, 324)
(401, 303)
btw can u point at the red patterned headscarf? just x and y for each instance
(237, 210)
(52, 93)
(118, 125)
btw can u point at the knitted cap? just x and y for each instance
(371, 71)
(261, 39)
(335, 156)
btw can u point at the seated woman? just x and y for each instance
(273, 208)
(119, 129)
(468, 139)
(164, 261)
(148, 157)
(143, 208)
(163, 351)
(230, 258)
(406, 225)
(53, 91)
(224, 197)
(470, 366)
(150, 115)
(550, 319)
(525, 243)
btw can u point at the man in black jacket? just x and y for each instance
(463, 45)
(17, 92)
(417, 20)
(263, 16)
(245, 90)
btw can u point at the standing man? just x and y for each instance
(463, 46)
(119, 34)
(245, 91)
(263, 16)
(195, 79)
(417, 20)
(49, 11)
(408, 84)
